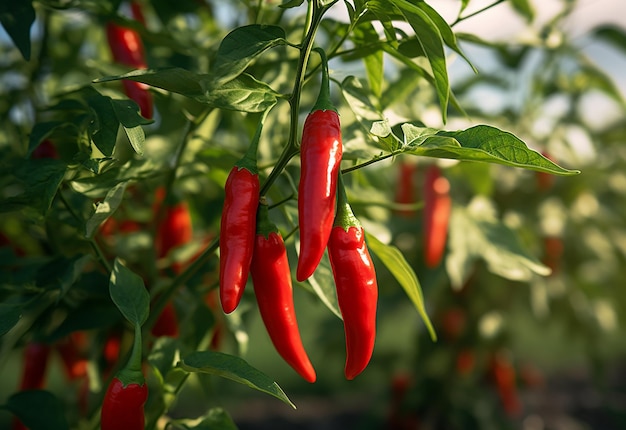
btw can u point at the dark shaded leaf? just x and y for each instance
(233, 368)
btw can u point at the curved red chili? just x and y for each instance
(271, 278)
(127, 49)
(123, 406)
(320, 155)
(238, 225)
(237, 232)
(437, 206)
(357, 288)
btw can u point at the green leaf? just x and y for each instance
(175, 79)
(163, 354)
(127, 113)
(62, 273)
(323, 285)
(395, 262)
(524, 8)
(10, 314)
(105, 209)
(136, 137)
(446, 32)
(431, 40)
(104, 128)
(359, 102)
(17, 17)
(129, 294)
(40, 132)
(38, 410)
(243, 93)
(37, 182)
(475, 233)
(612, 34)
(241, 46)
(291, 3)
(215, 419)
(233, 368)
(478, 143)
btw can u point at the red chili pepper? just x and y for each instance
(504, 377)
(74, 361)
(274, 294)
(320, 154)
(406, 191)
(127, 49)
(465, 362)
(453, 322)
(36, 357)
(167, 323)
(175, 230)
(45, 149)
(553, 252)
(238, 225)
(357, 289)
(127, 393)
(437, 205)
(123, 406)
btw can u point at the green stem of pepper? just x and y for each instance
(131, 373)
(291, 149)
(344, 216)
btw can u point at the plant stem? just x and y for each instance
(314, 17)
(372, 161)
(92, 241)
(479, 11)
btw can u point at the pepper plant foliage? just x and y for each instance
(67, 217)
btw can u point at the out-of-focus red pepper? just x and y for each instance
(406, 189)
(127, 49)
(36, 358)
(437, 206)
(505, 380)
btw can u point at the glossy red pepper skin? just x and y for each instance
(123, 406)
(357, 294)
(320, 154)
(437, 207)
(237, 232)
(127, 49)
(273, 288)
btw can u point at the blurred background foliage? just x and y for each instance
(516, 349)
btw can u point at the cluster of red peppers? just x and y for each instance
(251, 243)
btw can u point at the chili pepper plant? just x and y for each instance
(208, 204)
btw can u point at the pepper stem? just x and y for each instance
(131, 373)
(264, 226)
(344, 217)
(248, 161)
(323, 99)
